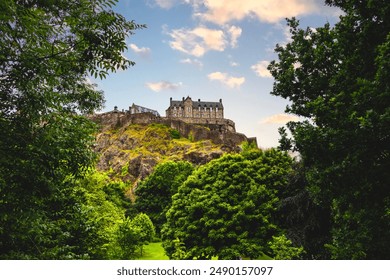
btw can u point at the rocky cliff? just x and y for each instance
(129, 146)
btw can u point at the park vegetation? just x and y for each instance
(330, 202)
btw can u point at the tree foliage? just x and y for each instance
(146, 227)
(154, 194)
(225, 207)
(47, 49)
(305, 222)
(337, 78)
(282, 248)
(129, 236)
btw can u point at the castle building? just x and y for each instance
(186, 108)
(199, 112)
(136, 109)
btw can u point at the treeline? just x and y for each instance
(51, 206)
(332, 203)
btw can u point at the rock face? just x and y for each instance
(217, 133)
(130, 145)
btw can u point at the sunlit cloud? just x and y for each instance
(198, 41)
(163, 85)
(224, 78)
(279, 119)
(190, 61)
(235, 33)
(271, 11)
(260, 68)
(144, 52)
(166, 4)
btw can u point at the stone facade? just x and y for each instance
(200, 119)
(186, 108)
(136, 109)
(199, 112)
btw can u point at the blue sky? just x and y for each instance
(210, 49)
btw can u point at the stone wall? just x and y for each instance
(227, 124)
(220, 132)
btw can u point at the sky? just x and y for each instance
(211, 50)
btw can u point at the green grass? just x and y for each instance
(153, 251)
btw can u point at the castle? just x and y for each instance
(199, 112)
(198, 119)
(186, 108)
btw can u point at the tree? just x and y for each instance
(305, 222)
(154, 194)
(126, 241)
(337, 78)
(129, 236)
(282, 248)
(225, 207)
(146, 229)
(47, 50)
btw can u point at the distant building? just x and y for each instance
(198, 112)
(186, 108)
(136, 109)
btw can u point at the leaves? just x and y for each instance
(47, 50)
(224, 208)
(155, 192)
(333, 77)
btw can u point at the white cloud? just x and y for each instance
(271, 11)
(195, 62)
(235, 33)
(165, 4)
(261, 70)
(222, 12)
(145, 52)
(230, 81)
(197, 41)
(163, 85)
(279, 119)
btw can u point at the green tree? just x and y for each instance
(282, 248)
(146, 229)
(47, 50)
(305, 222)
(126, 241)
(225, 207)
(154, 194)
(129, 236)
(337, 78)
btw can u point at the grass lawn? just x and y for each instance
(153, 251)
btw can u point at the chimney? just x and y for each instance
(220, 100)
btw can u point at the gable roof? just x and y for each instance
(196, 104)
